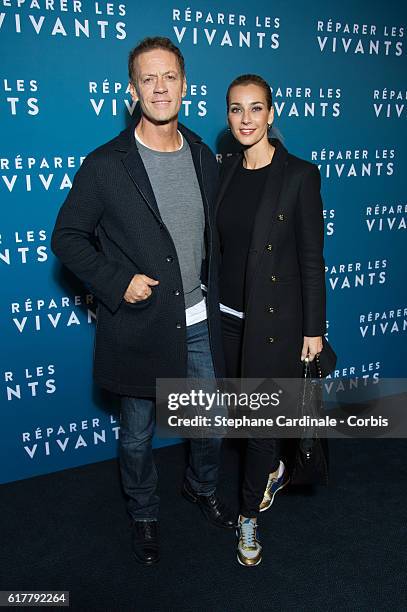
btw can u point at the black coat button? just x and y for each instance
(273, 278)
(270, 309)
(269, 247)
(176, 292)
(281, 217)
(270, 340)
(178, 325)
(169, 258)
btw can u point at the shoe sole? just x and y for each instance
(144, 562)
(249, 565)
(274, 494)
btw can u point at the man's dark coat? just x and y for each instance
(109, 229)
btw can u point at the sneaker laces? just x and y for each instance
(248, 533)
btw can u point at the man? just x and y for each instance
(137, 229)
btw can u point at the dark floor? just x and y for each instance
(340, 548)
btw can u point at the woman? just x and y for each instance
(272, 279)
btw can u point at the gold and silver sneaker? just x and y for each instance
(249, 548)
(276, 482)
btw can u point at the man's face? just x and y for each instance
(159, 85)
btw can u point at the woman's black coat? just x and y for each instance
(285, 272)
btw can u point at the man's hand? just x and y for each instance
(139, 288)
(311, 346)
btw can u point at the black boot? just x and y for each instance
(145, 542)
(213, 509)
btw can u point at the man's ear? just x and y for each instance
(133, 92)
(184, 87)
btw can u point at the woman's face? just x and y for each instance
(248, 114)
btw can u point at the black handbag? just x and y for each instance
(310, 465)
(324, 362)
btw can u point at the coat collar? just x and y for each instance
(126, 143)
(276, 167)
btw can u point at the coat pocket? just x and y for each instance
(141, 304)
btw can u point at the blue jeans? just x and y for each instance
(137, 421)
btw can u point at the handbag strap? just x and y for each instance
(307, 367)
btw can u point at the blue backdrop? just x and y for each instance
(338, 74)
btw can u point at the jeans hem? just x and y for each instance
(249, 514)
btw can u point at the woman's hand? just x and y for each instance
(311, 346)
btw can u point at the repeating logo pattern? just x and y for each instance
(337, 77)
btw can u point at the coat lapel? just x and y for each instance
(126, 143)
(195, 146)
(196, 152)
(266, 214)
(135, 167)
(133, 163)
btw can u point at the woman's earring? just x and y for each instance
(269, 125)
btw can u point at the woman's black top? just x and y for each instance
(235, 223)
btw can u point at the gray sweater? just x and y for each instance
(175, 185)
